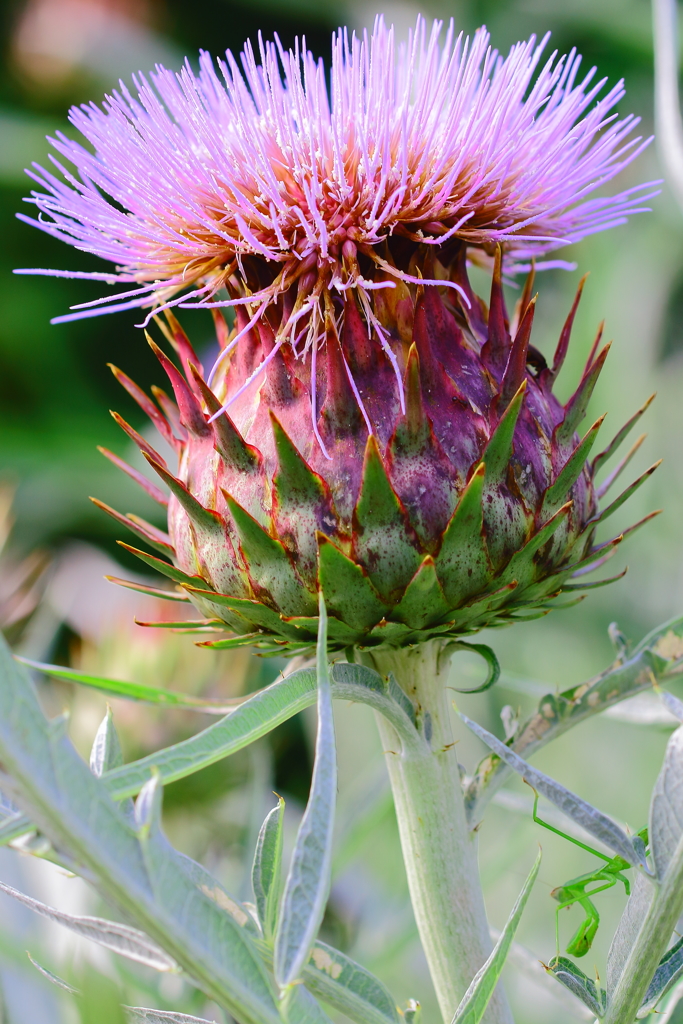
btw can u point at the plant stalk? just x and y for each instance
(651, 943)
(438, 848)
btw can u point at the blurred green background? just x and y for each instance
(55, 390)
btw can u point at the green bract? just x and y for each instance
(430, 502)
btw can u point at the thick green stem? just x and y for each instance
(650, 945)
(438, 848)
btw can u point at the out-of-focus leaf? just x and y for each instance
(667, 974)
(266, 871)
(132, 691)
(300, 1007)
(143, 1015)
(590, 818)
(344, 984)
(655, 659)
(672, 704)
(347, 986)
(145, 878)
(413, 1012)
(106, 752)
(129, 942)
(59, 982)
(473, 1005)
(573, 978)
(308, 880)
(666, 808)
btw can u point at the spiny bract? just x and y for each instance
(473, 508)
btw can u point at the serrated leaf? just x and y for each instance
(106, 752)
(573, 978)
(54, 978)
(666, 809)
(590, 818)
(265, 873)
(144, 1015)
(473, 1005)
(129, 942)
(308, 880)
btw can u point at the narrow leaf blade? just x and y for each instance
(265, 875)
(129, 942)
(476, 999)
(594, 821)
(308, 880)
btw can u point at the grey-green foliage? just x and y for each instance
(143, 877)
(120, 938)
(308, 880)
(143, 1015)
(267, 869)
(476, 999)
(54, 978)
(666, 809)
(654, 660)
(106, 753)
(589, 818)
(250, 721)
(187, 916)
(573, 978)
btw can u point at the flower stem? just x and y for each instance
(438, 848)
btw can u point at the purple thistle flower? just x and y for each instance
(427, 142)
(392, 442)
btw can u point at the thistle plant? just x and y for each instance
(375, 468)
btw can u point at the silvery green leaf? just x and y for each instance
(347, 986)
(255, 718)
(573, 978)
(637, 906)
(592, 820)
(212, 888)
(143, 1015)
(308, 881)
(148, 881)
(59, 982)
(667, 974)
(106, 752)
(13, 827)
(298, 1006)
(129, 942)
(672, 704)
(266, 870)
(655, 659)
(473, 1005)
(251, 720)
(666, 808)
(147, 813)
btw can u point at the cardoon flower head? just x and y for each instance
(371, 429)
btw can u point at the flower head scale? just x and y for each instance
(199, 176)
